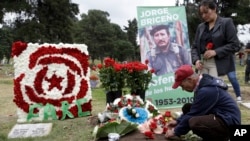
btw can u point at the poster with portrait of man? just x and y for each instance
(164, 43)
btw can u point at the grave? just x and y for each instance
(247, 105)
(30, 130)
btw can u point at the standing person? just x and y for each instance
(232, 77)
(165, 56)
(247, 70)
(215, 44)
(212, 111)
(241, 57)
(221, 34)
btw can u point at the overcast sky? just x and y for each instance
(120, 11)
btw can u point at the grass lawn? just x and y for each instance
(77, 129)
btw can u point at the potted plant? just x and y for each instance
(93, 80)
(115, 76)
(112, 77)
(138, 77)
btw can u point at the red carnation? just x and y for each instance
(99, 66)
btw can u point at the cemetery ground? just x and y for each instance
(79, 129)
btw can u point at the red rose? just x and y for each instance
(153, 125)
(209, 46)
(168, 114)
(149, 134)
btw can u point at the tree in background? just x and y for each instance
(42, 20)
(5, 43)
(132, 30)
(102, 37)
(236, 9)
(55, 21)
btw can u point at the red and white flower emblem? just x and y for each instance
(51, 74)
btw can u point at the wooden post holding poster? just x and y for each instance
(164, 43)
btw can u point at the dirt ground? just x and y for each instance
(245, 92)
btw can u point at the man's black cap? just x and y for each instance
(157, 28)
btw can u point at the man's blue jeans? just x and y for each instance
(232, 78)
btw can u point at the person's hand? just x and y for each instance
(170, 133)
(172, 124)
(209, 54)
(198, 65)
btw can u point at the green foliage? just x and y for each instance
(132, 32)
(111, 79)
(121, 128)
(6, 41)
(122, 49)
(55, 21)
(225, 9)
(43, 20)
(115, 76)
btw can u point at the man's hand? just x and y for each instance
(170, 133)
(172, 124)
(198, 65)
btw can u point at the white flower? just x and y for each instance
(101, 117)
(137, 115)
(129, 106)
(133, 111)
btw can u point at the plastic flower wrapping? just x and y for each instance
(129, 111)
(133, 109)
(156, 125)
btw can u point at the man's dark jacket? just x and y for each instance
(210, 97)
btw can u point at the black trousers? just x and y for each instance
(247, 72)
(209, 128)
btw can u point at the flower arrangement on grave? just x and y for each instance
(138, 77)
(51, 81)
(156, 125)
(128, 110)
(120, 127)
(112, 75)
(133, 109)
(115, 76)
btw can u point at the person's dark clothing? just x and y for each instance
(186, 108)
(225, 41)
(201, 125)
(247, 70)
(210, 97)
